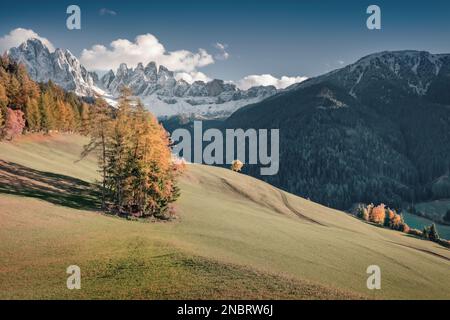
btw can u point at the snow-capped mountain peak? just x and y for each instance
(60, 66)
(165, 95)
(155, 85)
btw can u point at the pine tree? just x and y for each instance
(117, 151)
(433, 234)
(67, 117)
(13, 92)
(44, 116)
(3, 104)
(47, 108)
(390, 218)
(3, 96)
(425, 233)
(28, 89)
(2, 123)
(32, 115)
(85, 116)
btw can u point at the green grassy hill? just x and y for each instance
(236, 237)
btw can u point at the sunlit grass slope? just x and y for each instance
(236, 237)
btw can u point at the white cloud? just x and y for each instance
(145, 48)
(17, 36)
(192, 76)
(268, 80)
(106, 11)
(223, 54)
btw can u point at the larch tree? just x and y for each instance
(85, 123)
(33, 115)
(236, 165)
(13, 92)
(151, 179)
(3, 104)
(135, 160)
(47, 107)
(118, 146)
(378, 214)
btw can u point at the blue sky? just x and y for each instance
(282, 38)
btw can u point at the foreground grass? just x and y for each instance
(236, 237)
(119, 260)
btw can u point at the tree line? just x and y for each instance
(138, 174)
(389, 218)
(26, 106)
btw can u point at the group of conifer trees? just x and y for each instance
(383, 216)
(135, 160)
(31, 107)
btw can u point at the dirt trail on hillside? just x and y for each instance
(295, 211)
(284, 200)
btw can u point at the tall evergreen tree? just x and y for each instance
(47, 108)
(135, 160)
(433, 234)
(426, 233)
(32, 115)
(3, 104)
(117, 150)
(2, 122)
(13, 91)
(85, 122)
(3, 96)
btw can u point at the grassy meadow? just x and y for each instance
(235, 237)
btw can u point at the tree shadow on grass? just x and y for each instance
(59, 189)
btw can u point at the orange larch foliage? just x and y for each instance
(378, 214)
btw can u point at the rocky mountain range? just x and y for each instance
(60, 66)
(156, 86)
(413, 72)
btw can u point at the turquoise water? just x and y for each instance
(417, 222)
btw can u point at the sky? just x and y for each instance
(248, 42)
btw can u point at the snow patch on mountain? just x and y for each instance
(162, 93)
(156, 86)
(412, 70)
(60, 66)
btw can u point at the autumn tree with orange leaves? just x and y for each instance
(378, 214)
(139, 176)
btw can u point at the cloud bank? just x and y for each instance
(268, 80)
(17, 36)
(144, 48)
